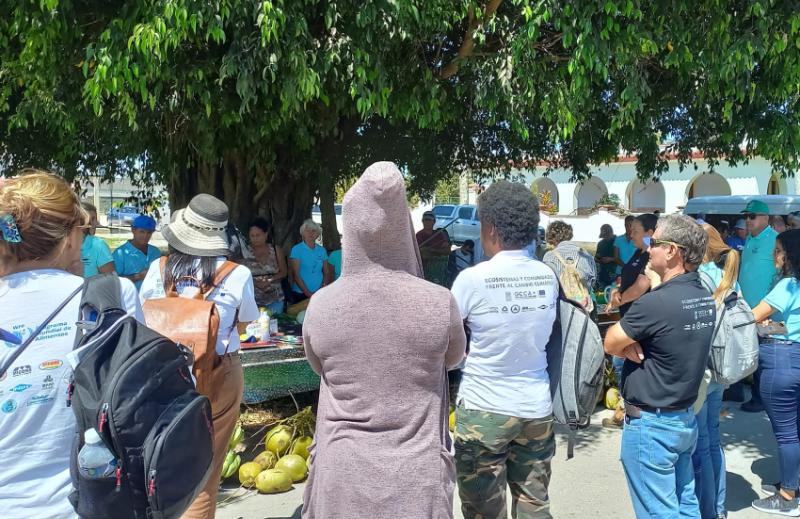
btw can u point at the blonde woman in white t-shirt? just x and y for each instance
(198, 248)
(41, 230)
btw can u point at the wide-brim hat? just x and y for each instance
(199, 230)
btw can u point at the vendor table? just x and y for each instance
(273, 371)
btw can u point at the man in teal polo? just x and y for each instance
(133, 258)
(757, 273)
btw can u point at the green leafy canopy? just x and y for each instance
(305, 89)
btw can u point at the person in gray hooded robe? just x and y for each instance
(382, 339)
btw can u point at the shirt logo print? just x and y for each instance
(50, 364)
(21, 370)
(19, 388)
(9, 406)
(39, 400)
(48, 382)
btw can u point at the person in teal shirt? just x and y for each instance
(782, 303)
(133, 258)
(335, 261)
(757, 274)
(95, 254)
(779, 365)
(309, 263)
(624, 248)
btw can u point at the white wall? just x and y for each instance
(587, 228)
(618, 177)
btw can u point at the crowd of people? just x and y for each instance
(383, 339)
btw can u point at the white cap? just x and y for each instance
(91, 436)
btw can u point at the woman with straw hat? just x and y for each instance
(198, 248)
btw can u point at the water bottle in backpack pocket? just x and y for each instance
(95, 461)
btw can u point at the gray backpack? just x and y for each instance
(734, 345)
(575, 359)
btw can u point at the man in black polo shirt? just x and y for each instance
(665, 338)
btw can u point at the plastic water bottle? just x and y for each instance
(95, 461)
(263, 321)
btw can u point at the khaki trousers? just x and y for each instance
(228, 384)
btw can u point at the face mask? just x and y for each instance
(646, 241)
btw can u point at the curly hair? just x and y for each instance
(513, 210)
(558, 231)
(790, 241)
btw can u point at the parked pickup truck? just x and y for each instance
(460, 221)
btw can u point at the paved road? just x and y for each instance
(592, 483)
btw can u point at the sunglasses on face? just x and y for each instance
(657, 242)
(751, 216)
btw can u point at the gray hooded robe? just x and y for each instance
(381, 338)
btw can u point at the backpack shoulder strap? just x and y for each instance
(564, 263)
(19, 349)
(102, 292)
(559, 257)
(169, 291)
(222, 273)
(706, 280)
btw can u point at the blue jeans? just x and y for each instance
(709, 458)
(657, 459)
(618, 362)
(779, 362)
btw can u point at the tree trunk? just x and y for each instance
(327, 200)
(285, 200)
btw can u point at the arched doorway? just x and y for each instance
(646, 197)
(708, 184)
(545, 185)
(588, 193)
(776, 185)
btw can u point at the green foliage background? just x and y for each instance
(268, 104)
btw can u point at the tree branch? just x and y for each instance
(468, 45)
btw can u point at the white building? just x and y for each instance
(669, 194)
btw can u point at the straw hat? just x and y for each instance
(199, 230)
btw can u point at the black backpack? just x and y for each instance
(134, 387)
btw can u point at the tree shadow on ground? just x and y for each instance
(739, 493)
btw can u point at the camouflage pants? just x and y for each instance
(493, 450)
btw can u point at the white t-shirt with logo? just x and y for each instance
(36, 426)
(234, 293)
(509, 304)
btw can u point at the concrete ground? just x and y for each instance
(591, 484)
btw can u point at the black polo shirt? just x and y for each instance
(630, 273)
(673, 323)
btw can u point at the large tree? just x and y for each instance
(266, 103)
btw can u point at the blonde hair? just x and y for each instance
(715, 250)
(45, 209)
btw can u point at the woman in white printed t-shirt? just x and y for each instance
(198, 248)
(41, 231)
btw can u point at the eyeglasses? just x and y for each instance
(657, 242)
(750, 216)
